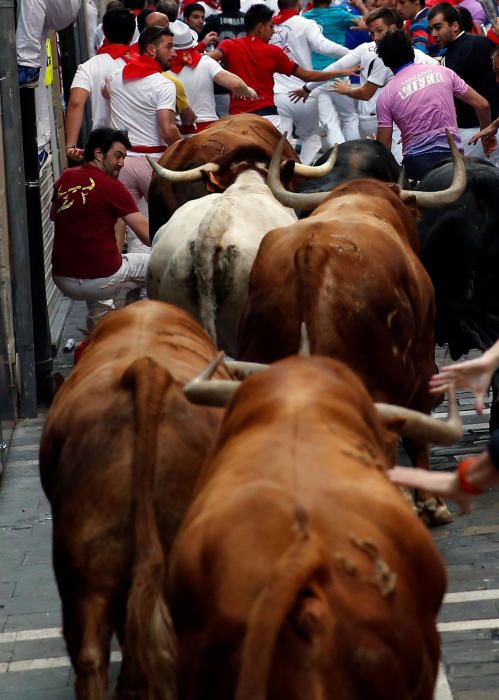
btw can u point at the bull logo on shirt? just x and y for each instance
(68, 197)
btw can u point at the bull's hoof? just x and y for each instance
(433, 511)
(407, 496)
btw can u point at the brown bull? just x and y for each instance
(351, 273)
(300, 572)
(120, 452)
(219, 140)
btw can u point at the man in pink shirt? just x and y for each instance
(419, 99)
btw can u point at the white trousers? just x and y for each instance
(136, 175)
(98, 293)
(35, 19)
(304, 116)
(368, 126)
(337, 113)
(476, 150)
(273, 119)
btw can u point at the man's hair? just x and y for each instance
(193, 7)
(386, 14)
(168, 8)
(104, 138)
(114, 5)
(134, 4)
(395, 49)
(449, 12)
(230, 5)
(321, 3)
(465, 18)
(152, 35)
(256, 14)
(286, 4)
(141, 19)
(118, 26)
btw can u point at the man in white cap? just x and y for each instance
(198, 73)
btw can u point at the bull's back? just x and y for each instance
(361, 291)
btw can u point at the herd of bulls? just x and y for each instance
(237, 533)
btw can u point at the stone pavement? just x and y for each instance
(33, 661)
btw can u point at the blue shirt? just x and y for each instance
(334, 22)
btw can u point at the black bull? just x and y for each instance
(356, 159)
(460, 250)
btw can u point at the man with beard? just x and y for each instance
(87, 202)
(142, 103)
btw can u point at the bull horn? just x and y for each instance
(304, 349)
(401, 180)
(419, 426)
(193, 175)
(434, 200)
(295, 200)
(211, 392)
(317, 170)
(240, 370)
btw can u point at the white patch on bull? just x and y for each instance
(383, 577)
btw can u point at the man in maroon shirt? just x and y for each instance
(254, 60)
(88, 200)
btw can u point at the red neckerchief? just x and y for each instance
(141, 67)
(123, 51)
(284, 15)
(185, 57)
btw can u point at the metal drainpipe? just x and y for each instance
(41, 326)
(17, 212)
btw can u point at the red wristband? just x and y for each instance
(464, 484)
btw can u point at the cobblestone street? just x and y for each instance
(33, 661)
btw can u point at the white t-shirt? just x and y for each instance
(372, 69)
(90, 76)
(198, 84)
(298, 37)
(134, 104)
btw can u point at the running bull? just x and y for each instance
(460, 250)
(351, 273)
(185, 158)
(299, 571)
(119, 456)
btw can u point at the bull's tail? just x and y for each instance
(310, 263)
(211, 228)
(150, 643)
(296, 567)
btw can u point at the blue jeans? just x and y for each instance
(416, 167)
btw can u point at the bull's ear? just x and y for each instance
(287, 171)
(213, 183)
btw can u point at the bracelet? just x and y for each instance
(464, 484)
(307, 89)
(68, 147)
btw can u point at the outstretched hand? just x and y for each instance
(440, 483)
(472, 374)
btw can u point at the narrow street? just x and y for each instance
(33, 661)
